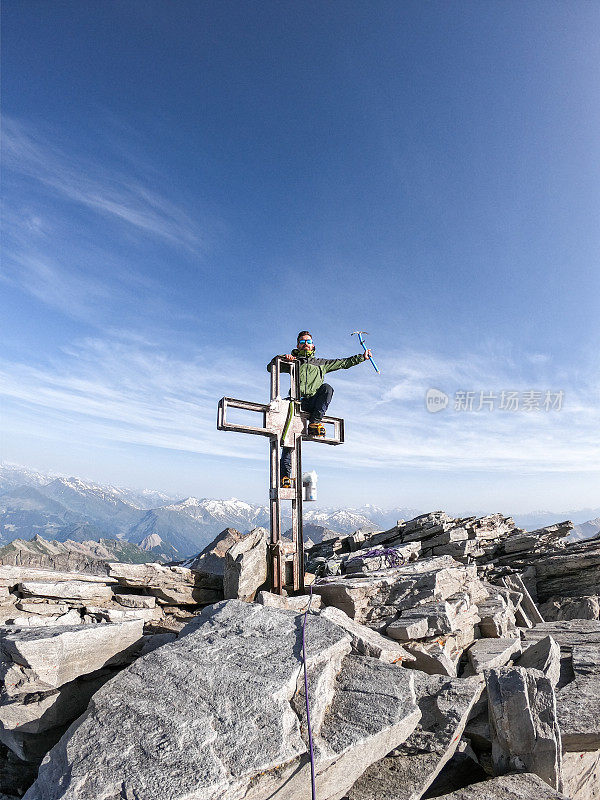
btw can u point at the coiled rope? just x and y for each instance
(390, 555)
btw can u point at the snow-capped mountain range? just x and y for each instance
(60, 508)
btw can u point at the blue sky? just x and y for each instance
(187, 185)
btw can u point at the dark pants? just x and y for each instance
(316, 406)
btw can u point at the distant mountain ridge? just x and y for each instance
(61, 509)
(587, 530)
(71, 556)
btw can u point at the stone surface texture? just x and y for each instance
(246, 566)
(367, 641)
(168, 696)
(42, 659)
(508, 787)
(210, 715)
(523, 718)
(407, 771)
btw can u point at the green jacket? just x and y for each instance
(313, 370)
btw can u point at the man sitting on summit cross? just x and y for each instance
(315, 394)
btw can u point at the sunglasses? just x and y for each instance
(304, 341)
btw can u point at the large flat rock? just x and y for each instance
(170, 585)
(210, 715)
(67, 590)
(12, 575)
(45, 658)
(405, 774)
(524, 786)
(372, 710)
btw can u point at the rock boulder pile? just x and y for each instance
(431, 671)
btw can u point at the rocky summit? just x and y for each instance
(445, 657)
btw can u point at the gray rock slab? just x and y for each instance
(22, 721)
(409, 627)
(12, 575)
(492, 653)
(170, 585)
(581, 775)
(41, 659)
(524, 786)
(210, 716)
(544, 655)
(98, 614)
(586, 661)
(42, 608)
(246, 566)
(72, 617)
(515, 582)
(573, 571)
(523, 720)
(367, 641)
(373, 710)
(298, 603)
(435, 619)
(567, 633)
(405, 774)
(578, 703)
(135, 600)
(70, 590)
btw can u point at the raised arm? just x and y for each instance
(331, 364)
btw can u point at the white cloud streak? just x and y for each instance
(129, 390)
(110, 193)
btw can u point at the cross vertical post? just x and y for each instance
(286, 425)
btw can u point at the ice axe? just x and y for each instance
(360, 339)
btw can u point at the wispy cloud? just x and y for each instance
(112, 193)
(124, 389)
(127, 388)
(69, 255)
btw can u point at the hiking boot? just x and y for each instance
(285, 482)
(316, 430)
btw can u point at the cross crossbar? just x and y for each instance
(223, 424)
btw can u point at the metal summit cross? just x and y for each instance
(285, 424)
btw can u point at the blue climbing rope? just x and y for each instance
(308, 724)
